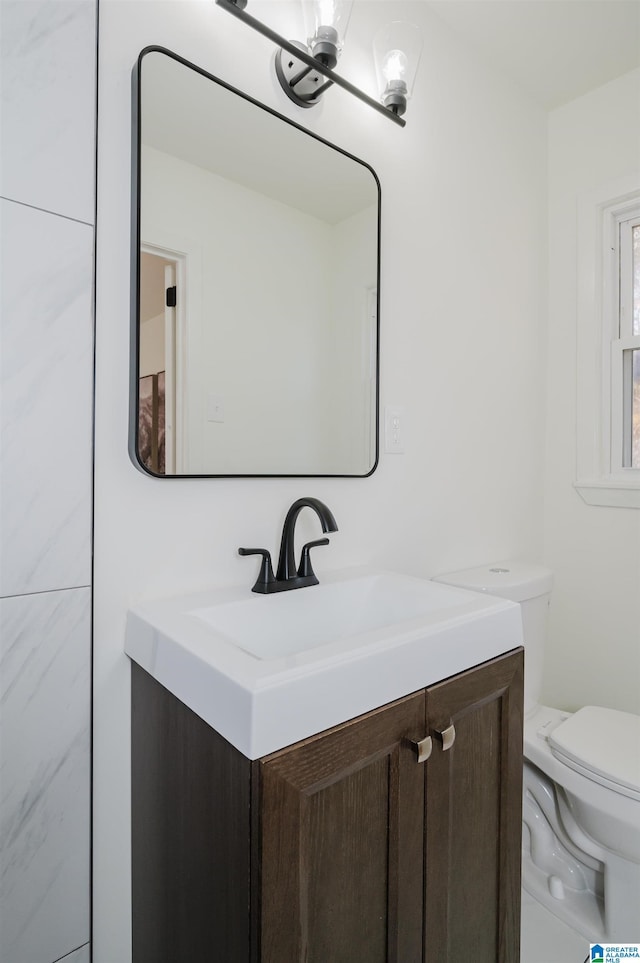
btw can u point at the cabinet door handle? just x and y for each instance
(448, 736)
(423, 748)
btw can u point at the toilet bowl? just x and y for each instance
(581, 786)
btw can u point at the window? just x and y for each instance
(625, 343)
(608, 465)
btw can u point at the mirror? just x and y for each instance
(255, 296)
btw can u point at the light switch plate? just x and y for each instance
(394, 422)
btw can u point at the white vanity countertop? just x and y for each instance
(241, 662)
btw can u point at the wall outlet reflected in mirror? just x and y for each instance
(215, 408)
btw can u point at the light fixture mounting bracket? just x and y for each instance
(301, 82)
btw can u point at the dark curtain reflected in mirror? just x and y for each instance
(151, 422)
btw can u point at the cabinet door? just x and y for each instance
(474, 801)
(342, 843)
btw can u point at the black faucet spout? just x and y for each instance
(286, 561)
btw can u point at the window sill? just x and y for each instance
(609, 493)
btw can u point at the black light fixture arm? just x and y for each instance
(307, 59)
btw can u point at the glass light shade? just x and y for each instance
(396, 52)
(326, 23)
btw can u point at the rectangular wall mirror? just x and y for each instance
(255, 287)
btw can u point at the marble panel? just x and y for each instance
(44, 775)
(81, 955)
(46, 374)
(48, 104)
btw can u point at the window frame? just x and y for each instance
(601, 477)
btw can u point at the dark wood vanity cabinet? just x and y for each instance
(343, 848)
(474, 816)
(341, 842)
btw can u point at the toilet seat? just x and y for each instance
(603, 745)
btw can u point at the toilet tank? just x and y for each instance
(528, 584)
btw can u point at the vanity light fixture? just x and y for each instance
(396, 52)
(326, 23)
(305, 70)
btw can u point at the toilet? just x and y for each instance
(581, 793)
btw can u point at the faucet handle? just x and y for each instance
(265, 576)
(304, 569)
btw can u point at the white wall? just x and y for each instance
(350, 367)
(462, 303)
(594, 643)
(152, 345)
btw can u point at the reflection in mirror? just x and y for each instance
(256, 303)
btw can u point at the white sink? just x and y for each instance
(268, 670)
(294, 622)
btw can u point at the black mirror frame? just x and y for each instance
(135, 269)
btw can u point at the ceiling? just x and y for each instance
(556, 50)
(247, 144)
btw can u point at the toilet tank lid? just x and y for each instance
(603, 744)
(517, 581)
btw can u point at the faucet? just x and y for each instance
(287, 576)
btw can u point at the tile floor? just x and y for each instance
(545, 939)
